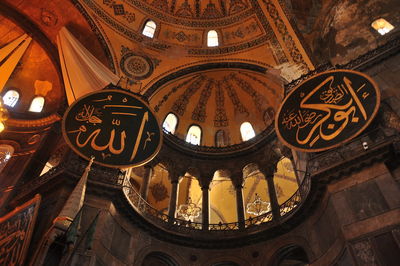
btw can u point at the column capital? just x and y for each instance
(204, 182)
(174, 176)
(268, 171)
(237, 179)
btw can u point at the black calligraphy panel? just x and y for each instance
(15, 232)
(114, 126)
(327, 110)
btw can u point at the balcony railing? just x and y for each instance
(157, 217)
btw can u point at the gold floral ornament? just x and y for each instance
(3, 115)
(189, 211)
(258, 207)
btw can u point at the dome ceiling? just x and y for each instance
(219, 100)
(197, 9)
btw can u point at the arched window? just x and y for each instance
(149, 29)
(247, 131)
(194, 135)
(11, 98)
(170, 123)
(269, 115)
(220, 138)
(212, 38)
(37, 104)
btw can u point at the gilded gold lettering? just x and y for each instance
(92, 137)
(116, 122)
(145, 118)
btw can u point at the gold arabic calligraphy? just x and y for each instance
(87, 135)
(325, 115)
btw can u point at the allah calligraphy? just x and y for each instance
(15, 232)
(114, 126)
(327, 110)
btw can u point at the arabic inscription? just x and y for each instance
(114, 126)
(327, 110)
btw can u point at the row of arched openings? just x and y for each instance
(12, 97)
(288, 255)
(194, 132)
(150, 27)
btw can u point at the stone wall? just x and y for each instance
(358, 220)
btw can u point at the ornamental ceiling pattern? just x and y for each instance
(243, 25)
(219, 99)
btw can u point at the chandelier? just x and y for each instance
(189, 211)
(3, 115)
(258, 207)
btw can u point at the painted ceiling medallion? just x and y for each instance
(159, 191)
(135, 66)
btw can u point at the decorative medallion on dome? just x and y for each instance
(327, 110)
(114, 126)
(136, 67)
(159, 191)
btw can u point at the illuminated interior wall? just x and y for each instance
(222, 199)
(285, 180)
(159, 189)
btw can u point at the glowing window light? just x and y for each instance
(170, 123)
(11, 98)
(212, 38)
(149, 29)
(247, 131)
(382, 26)
(37, 104)
(194, 135)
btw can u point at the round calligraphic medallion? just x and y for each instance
(114, 126)
(327, 110)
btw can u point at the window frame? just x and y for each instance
(225, 138)
(187, 133)
(241, 132)
(145, 25)
(218, 38)
(36, 97)
(176, 125)
(11, 89)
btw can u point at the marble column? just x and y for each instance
(173, 198)
(272, 196)
(144, 188)
(205, 207)
(240, 206)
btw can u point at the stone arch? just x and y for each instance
(164, 254)
(226, 261)
(273, 256)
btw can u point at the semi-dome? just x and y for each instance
(229, 103)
